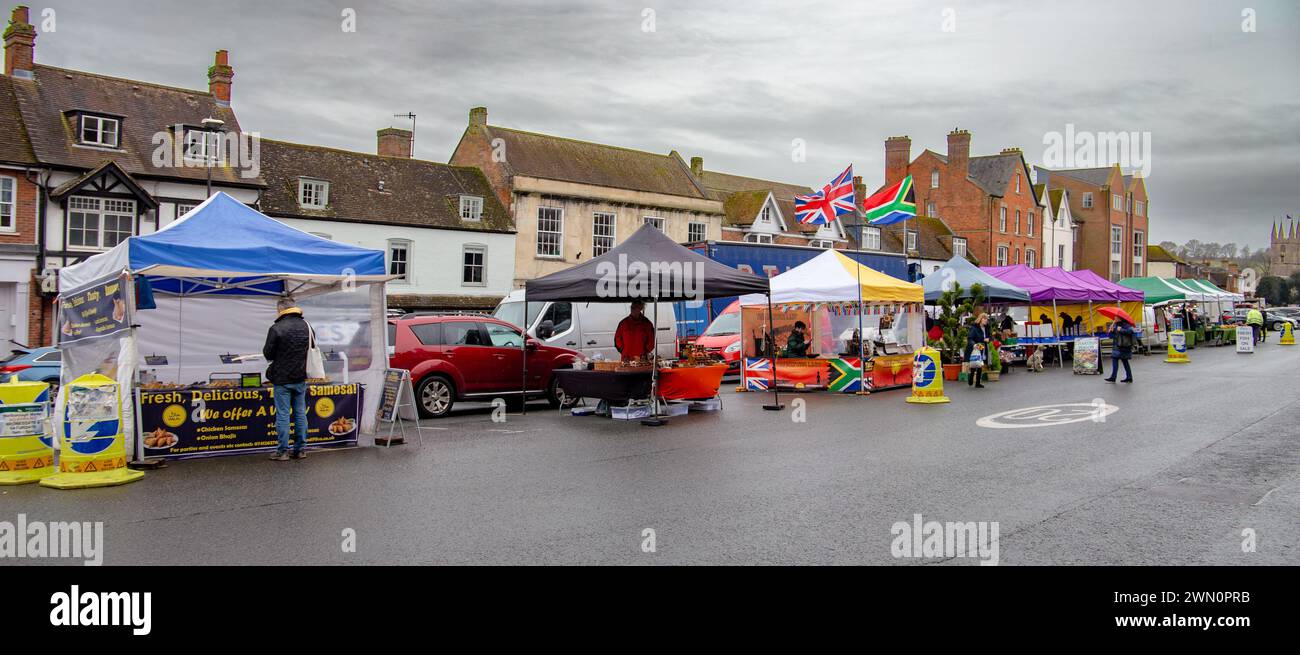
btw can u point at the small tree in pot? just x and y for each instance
(952, 308)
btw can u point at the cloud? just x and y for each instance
(735, 82)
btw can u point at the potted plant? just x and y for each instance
(952, 345)
(994, 370)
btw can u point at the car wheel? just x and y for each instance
(1275, 327)
(556, 396)
(435, 396)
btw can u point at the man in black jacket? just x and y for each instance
(286, 348)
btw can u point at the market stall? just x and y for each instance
(997, 293)
(178, 318)
(650, 267)
(1128, 299)
(1157, 294)
(833, 324)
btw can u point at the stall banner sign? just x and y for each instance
(790, 373)
(93, 452)
(26, 449)
(180, 424)
(891, 371)
(95, 311)
(1087, 355)
(927, 378)
(1177, 348)
(396, 381)
(1245, 340)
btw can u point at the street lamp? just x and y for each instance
(210, 126)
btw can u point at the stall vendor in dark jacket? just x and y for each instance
(286, 348)
(796, 345)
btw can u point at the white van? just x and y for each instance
(587, 327)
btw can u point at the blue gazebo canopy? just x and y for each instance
(961, 271)
(226, 247)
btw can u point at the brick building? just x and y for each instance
(1111, 209)
(20, 297)
(986, 200)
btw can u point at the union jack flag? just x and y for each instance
(757, 373)
(835, 199)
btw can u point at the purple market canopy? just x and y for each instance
(1043, 286)
(1118, 292)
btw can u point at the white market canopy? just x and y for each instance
(833, 277)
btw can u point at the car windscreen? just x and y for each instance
(724, 325)
(513, 312)
(13, 356)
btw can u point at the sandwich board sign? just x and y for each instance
(397, 405)
(1245, 339)
(1087, 355)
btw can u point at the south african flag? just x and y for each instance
(891, 205)
(846, 375)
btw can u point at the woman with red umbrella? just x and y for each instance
(1122, 340)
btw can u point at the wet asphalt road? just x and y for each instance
(1193, 455)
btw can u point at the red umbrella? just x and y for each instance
(1117, 313)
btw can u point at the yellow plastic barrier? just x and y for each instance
(1177, 348)
(1288, 337)
(927, 378)
(93, 450)
(26, 446)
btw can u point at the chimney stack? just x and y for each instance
(697, 167)
(478, 116)
(220, 75)
(1012, 151)
(20, 44)
(959, 151)
(859, 190)
(395, 142)
(898, 157)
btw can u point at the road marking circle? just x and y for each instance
(1043, 416)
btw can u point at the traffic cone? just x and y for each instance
(927, 378)
(93, 450)
(1177, 348)
(1288, 337)
(26, 446)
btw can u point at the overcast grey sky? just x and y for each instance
(737, 82)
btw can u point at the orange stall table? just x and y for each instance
(690, 383)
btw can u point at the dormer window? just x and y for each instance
(471, 208)
(313, 194)
(203, 146)
(101, 131)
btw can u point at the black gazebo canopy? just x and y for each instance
(648, 266)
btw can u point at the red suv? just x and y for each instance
(471, 358)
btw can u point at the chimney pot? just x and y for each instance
(478, 116)
(20, 44)
(959, 151)
(394, 142)
(898, 158)
(220, 77)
